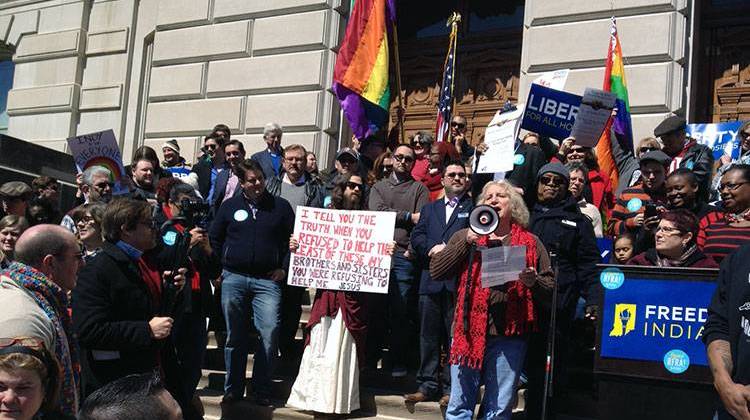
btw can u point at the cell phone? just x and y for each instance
(650, 211)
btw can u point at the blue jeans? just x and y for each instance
(238, 292)
(503, 361)
(400, 288)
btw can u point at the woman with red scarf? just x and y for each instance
(491, 325)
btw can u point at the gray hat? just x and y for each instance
(347, 151)
(556, 168)
(171, 144)
(656, 156)
(16, 189)
(669, 125)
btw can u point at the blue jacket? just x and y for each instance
(432, 230)
(266, 163)
(253, 244)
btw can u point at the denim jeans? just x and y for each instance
(436, 317)
(238, 292)
(503, 361)
(400, 288)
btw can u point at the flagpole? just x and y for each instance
(399, 115)
(453, 22)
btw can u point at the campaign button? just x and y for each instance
(676, 361)
(634, 204)
(519, 159)
(241, 215)
(612, 278)
(170, 238)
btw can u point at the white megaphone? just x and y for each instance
(483, 220)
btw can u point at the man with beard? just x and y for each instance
(682, 193)
(438, 221)
(562, 228)
(227, 183)
(143, 180)
(298, 188)
(400, 193)
(458, 138)
(173, 162)
(629, 213)
(346, 163)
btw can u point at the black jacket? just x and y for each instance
(522, 176)
(564, 228)
(253, 244)
(729, 311)
(313, 191)
(111, 309)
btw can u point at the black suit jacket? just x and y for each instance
(432, 230)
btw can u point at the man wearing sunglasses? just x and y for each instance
(458, 138)
(438, 221)
(400, 193)
(34, 297)
(560, 225)
(207, 170)
(95, 183)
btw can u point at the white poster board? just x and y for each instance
(99, 149)
(500, 139)
(553, 79)
(342, 250)
(596, 108)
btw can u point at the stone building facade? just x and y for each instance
(159, 69)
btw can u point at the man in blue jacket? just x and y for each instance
(438, 221)
(251, 233)
(270, 158)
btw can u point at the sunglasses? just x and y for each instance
(647, 149)
(354, 186)
(580, 150)
(459, 175)
(211, 146)
(458, 124)
(404, 158)
(552, 180)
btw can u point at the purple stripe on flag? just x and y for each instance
(363, 116)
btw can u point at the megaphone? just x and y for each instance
(483, 220)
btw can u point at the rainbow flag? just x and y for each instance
(614, 81)
(360, 77)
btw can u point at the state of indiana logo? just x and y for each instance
(624, 320)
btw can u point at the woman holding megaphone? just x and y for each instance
(491, 325)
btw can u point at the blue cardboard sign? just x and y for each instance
(550, 112)
(657, 321)
(721, 138)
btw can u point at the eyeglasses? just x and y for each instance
(29, 342)
(354, 186)
(211, 146)
(404, 158)
(458, 124)
(668, 230)
(552, 180)
(744, 135)
(580, 150)
(78, 255)
(86, 220)
(646, 149)
(731, 186)
(460, 175)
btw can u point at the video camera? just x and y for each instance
(194, 213)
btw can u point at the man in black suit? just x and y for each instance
(227, 183)
(438, 221)
(212, 164)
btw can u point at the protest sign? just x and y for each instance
(550, 112)
(342, 250)
(553, 79)
(99, 149)
(721, 138)
(502, 264)
(596, 108)
(500, 138)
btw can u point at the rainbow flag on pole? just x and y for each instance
(614, 81)
(360, 78)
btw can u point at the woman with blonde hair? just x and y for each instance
(491, 325)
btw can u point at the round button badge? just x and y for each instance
(241, 215)
(634, 204)
(676, 361)
(612, 278)
(519, 159)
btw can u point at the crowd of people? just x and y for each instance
(106, 304)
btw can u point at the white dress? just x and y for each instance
(328, 379)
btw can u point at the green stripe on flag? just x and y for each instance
(620, 90)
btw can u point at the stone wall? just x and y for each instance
(574, 34)
(159, 69)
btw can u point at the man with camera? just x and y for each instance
(438, 221)
(184, 243)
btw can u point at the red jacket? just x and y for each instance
(601, 191)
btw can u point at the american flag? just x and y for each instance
(445, 103)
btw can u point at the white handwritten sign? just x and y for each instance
(99, 149)
(342, 250)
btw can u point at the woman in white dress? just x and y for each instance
(328, 379)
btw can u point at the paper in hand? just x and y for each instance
(502, 264)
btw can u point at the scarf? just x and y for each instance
(680, 262)
(520, 317)
(53, 300)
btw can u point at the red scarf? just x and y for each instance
(520, 316)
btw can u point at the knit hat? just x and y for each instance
(171, 144)
(556, 168)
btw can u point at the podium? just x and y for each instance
(650, 360)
